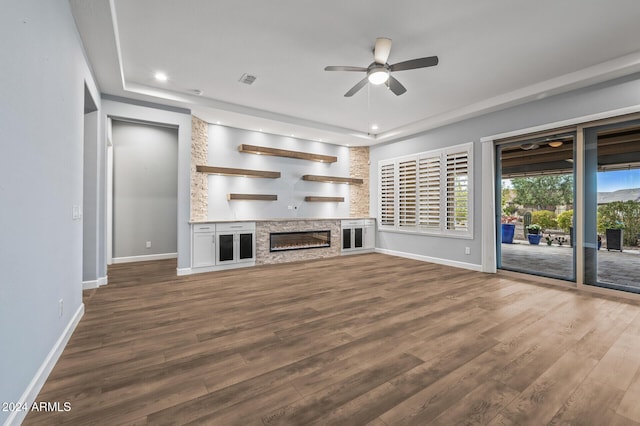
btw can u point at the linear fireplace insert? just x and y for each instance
(281, 241)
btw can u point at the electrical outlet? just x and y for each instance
(467, 250)
(60, 308)
(148, 244)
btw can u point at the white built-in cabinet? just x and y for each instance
(204, 245)
(223, 245)
(358, 235)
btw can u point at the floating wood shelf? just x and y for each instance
(238, 172)
(333, 179)
(325, 199)
(263, 150)
(256, 197)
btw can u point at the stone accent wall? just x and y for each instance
(359, 194)
(263, 229)
(199, 181)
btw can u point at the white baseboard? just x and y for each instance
(31, 393)
(88, 285)
(356, 251)
(184, 271)
(454, 263)
(145, 258)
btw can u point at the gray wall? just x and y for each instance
(290, 188)
(619, 93)
(145, 189)
(127, 109)
(42, 81)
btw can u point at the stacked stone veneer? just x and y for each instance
(359, 194)
(199, 181)
(263, 229)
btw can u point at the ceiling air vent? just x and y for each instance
(247, 78)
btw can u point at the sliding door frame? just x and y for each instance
(490, 214)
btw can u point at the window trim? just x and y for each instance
(394, 203)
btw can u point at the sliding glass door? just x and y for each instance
(612, 206)
(535, 197)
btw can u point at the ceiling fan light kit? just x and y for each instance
(379, 71)
(378, 75)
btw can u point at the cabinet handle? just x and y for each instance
(235, 226)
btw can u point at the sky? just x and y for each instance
(618, 179)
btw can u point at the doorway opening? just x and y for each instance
(92, 274)
(144, 191)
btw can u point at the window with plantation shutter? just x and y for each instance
(457, 191)
(430, 192)
(407, 180)
(387, 196)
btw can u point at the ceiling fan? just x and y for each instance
(379, 71)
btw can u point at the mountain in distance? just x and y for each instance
(632, 194)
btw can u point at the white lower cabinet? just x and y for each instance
(358, 235)
(223, 245)
(369, 234)
(204, 246)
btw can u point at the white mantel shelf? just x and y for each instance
(280, 219)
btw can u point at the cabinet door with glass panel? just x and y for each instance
(236, 243)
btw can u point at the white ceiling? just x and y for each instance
(493, 54)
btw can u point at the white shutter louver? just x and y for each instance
(429, 194)
(457, 191)
(407, 182)
(387, 194)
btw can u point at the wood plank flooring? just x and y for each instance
(367, 339)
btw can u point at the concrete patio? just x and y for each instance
(614, 267)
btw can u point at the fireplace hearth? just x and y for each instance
(283, 241)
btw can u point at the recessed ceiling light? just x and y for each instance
(218, 122)
(374, 127)
(259, 130)
(160, 76)
(292, 135)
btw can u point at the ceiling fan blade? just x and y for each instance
(415, 63)
(395, 86)
(357, 87)
(339, 68)
(382, 50)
